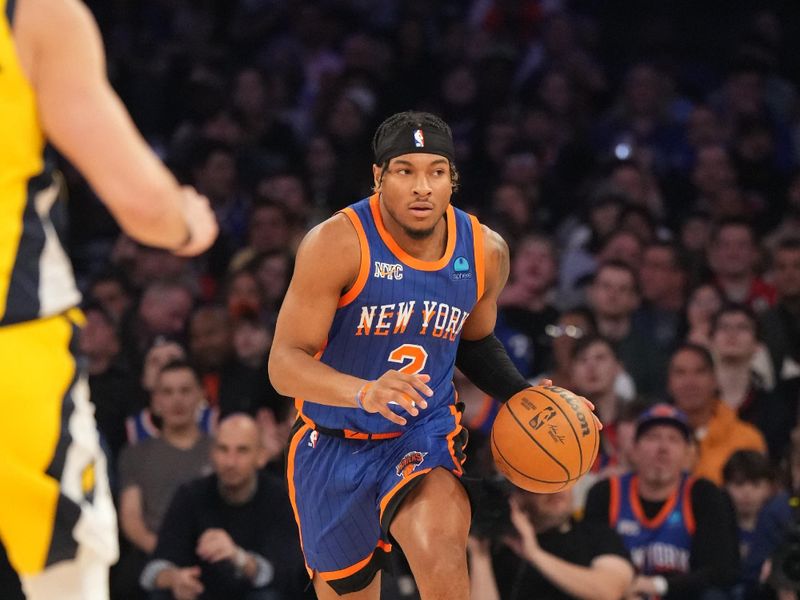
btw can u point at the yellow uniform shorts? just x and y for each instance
(54, 494)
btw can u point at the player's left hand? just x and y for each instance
(215, 545)
(549, 383)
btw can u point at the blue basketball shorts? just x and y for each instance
(345, 492)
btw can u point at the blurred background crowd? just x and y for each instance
(641, 159)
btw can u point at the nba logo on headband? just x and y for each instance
(419, 139)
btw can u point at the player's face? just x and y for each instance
(415, 192)
(661, 453)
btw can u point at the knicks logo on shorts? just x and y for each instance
(409, 463)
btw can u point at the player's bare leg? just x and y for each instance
(431, 527)
(326, 592)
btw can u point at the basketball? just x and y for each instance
(544, 439)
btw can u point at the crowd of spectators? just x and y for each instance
(641, 159)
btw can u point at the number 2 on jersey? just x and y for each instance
(413, 355)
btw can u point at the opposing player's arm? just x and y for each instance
(62, 54)
(327, 265)
(481, 356)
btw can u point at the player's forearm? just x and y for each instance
(295, 373)
(150, 213)
(137, 188)
(580, 582)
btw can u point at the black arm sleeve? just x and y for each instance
(485, 362)
(714, 560)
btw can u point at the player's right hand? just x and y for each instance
(200, 220)
(404, 389)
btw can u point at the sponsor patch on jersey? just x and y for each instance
(461, 269)
(409, 463)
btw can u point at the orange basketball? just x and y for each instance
(544, 439)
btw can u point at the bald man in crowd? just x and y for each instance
(231, 534)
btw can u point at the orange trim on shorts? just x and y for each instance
(352, 569)
(638, 511)
(688, 513)
(405, 257)
(613, 501)
(480, 265)
(398, 486)
(451, 439)
(363, 269)
(295, 441)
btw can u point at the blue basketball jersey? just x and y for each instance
(402, 313)
(660, 545)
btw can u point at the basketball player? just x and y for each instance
(384, 294)
(57, 521)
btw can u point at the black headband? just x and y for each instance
(414, 139)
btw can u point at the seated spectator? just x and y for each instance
(703, 303)
(146, 423)
(781, 323)
(230, 385)
(552, 556)
(571, 326)
(596, 371)
(717, 429)
(111, 384)
(242, 293)
(526, 304)
(163, 311)
(679, 530)
(662, 277)
(230, 534)
(613, 297)
(771, 534)
(112, 291)
(733, 256)
(746, 381)
(252, 340)
(152, 470)
(747, 478)
(582, 241)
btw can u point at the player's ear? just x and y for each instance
(376, 178)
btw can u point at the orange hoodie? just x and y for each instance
(724, 434)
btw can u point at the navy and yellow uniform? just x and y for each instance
(348, 469)
(53, 489)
